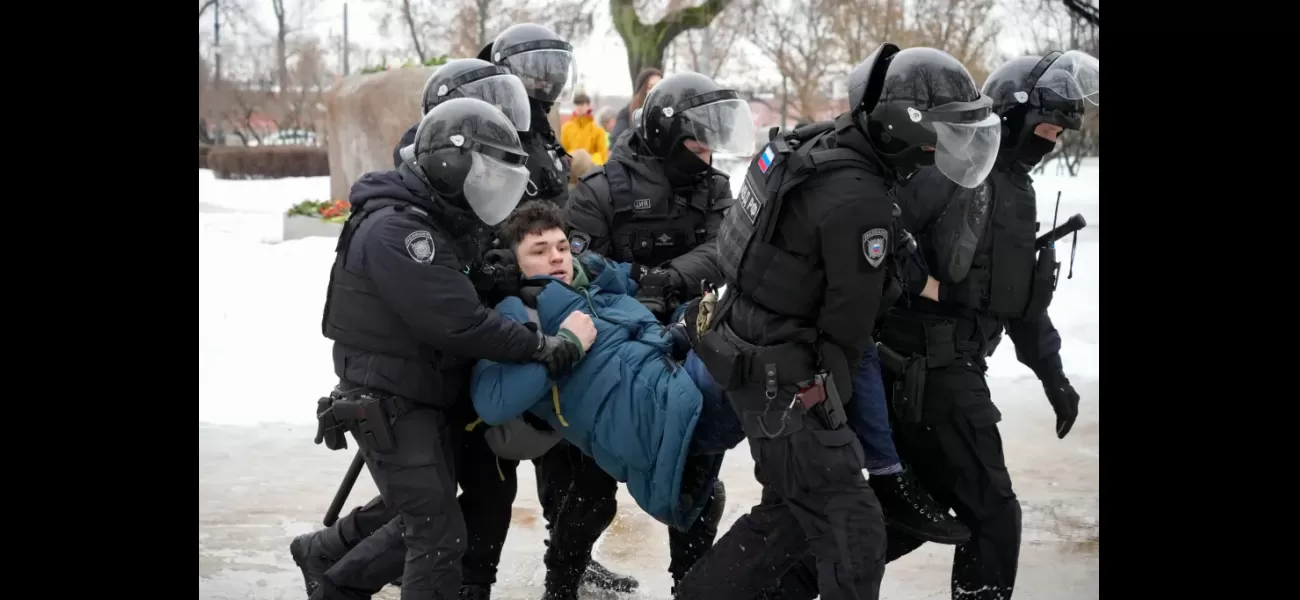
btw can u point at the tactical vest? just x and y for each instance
(355, 314)
(775, 279)
(649, 228)
(992, 230)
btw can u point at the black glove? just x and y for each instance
(655, 290)
(496, 276)
(1065, 402)
(558, 353)
(681, 341)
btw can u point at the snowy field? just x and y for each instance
(263, 363)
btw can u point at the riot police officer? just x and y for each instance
(656, 204)
(471, 78)
(487, 492)
(981, 248)
(804, 251)
(406, 321)
(545, 65)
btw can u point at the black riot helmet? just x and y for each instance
(1031, 90)
(539, 58)
(920, 106)
(690, 106)
(466, 148)
(474, 78)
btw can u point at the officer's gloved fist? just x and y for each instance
(1065, 402)
(560, 352)
(497, 274)
(655, 289)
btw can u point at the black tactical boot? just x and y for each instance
(598, 576)
(475, 592)
(913, 510)
(315, 553)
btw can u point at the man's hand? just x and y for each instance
(931, 290)
(1065, 402)
(582, 327)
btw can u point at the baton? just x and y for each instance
(345, 488)
(1074, 224)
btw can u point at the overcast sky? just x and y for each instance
(602, 62)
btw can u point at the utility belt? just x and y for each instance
(781, 369)
(367, 415)
(909, 346)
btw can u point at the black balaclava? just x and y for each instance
(683, 168)
(1033, 148)
(541, 117)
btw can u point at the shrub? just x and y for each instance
(268, 162)
(204, 149)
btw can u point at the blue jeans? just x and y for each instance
(868, 413)
(718, 429)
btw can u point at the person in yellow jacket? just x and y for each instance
(582, 132)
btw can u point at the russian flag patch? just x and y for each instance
(765, 159)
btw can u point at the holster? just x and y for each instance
(909, 382)
(370, 419)
(829, 410)
(1044, 284)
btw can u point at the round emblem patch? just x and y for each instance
(420, 246)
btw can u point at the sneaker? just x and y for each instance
(913, 510)
(475, 592)
(600, 577)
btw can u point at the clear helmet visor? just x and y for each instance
(1074, 75)
(493, 187)
(506, 93)
(965, 152)
(548, 75)
(725, 127)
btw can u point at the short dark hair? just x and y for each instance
(581, 99)
(531, 217)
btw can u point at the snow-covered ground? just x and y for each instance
(263, 363)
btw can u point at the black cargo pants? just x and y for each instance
(577, 499)
(416, 477)
(488, 486)
(815, 499)
(956, 451)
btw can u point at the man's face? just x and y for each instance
(701, 151)
(582, 110)
(546, 253)
(1048, 131)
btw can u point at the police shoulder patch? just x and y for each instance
(419, 244)
(874, 246)
(578, 242)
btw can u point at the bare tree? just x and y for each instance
(963, 28)
(860, 26)
(288, 22)
(801, 41)
(460, 28)
(715, 50)
(646, 42)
